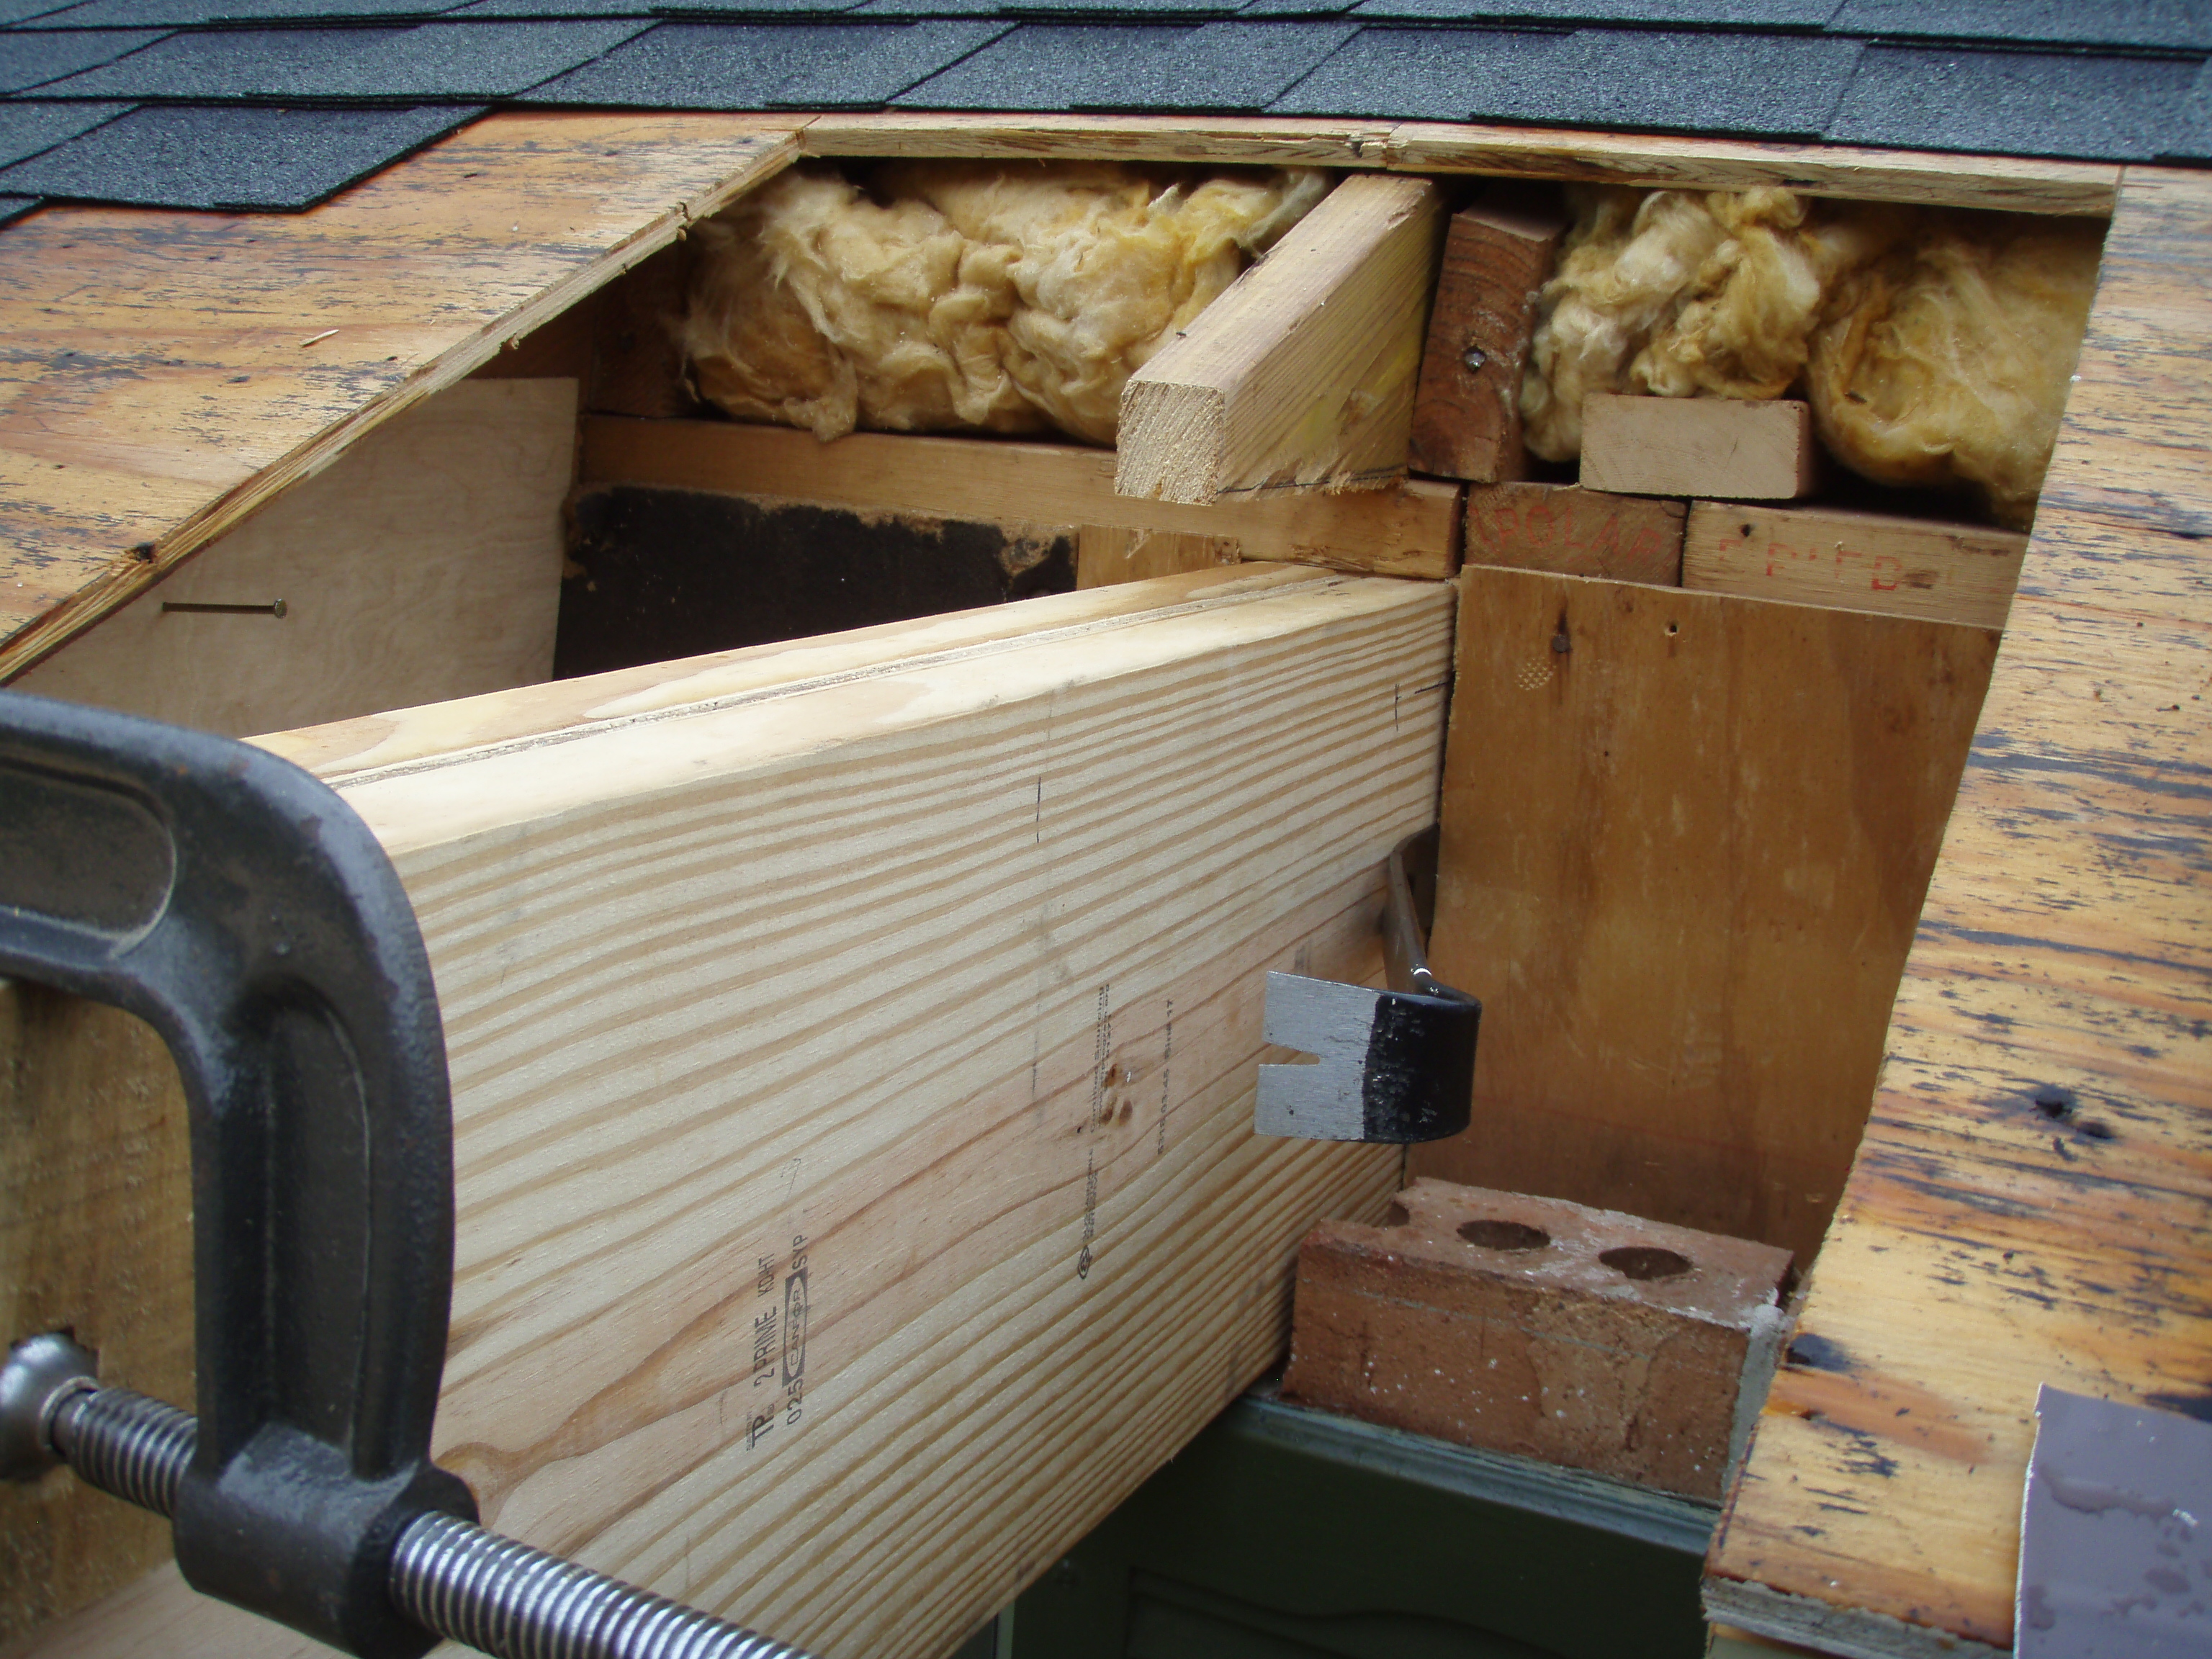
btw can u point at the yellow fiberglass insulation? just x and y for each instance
(953, 295)
(1935, 347)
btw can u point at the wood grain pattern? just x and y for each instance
(1685, 836)
(1411, 530)
(1042, 1245)
(1467, 412)
(1105, 555)
(1647, 158)
(95, 1237)
(166, 373)
(424, 564)
(407, 737)
(1574, 531)
(1859, 561)
(1985, 1245)
(1300, 377)
(1751, 450)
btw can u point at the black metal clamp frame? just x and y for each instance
(242, 909)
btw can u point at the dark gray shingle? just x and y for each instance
(1088, 11)
(1223, 67)
(771, 65)
(32, 59)
(228, 156)
(1754, 13)
(20, 11)
(473, 61)
(12, 208)
(2019, 103)
(190, 13)
(555, 9)
(2180, 23)
(1420, 74)
(26, 129)
(1773, 86)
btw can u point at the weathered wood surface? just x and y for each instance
(1300, 377)
(1859, 561)
(1574, 531)
(1985, 1245)
(937, 978)
(424, 564)
(1684, 839)
(1438, 146)
(1466, 411)
(1411, 530)
(163, 374)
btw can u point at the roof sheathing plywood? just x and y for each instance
(2032, 1200)
(164, 373)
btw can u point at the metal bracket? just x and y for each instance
(1394, 1066)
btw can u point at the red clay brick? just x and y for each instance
(1530, 1325)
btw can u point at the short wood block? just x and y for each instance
(1574, 532)
(1467, 412)
(1300, 377)
(1853, 561)
(1740, 448)
(1531, 1325)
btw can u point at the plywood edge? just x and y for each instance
(1265, 140)
(1824, 1627)
(137, 571)
(1879, 175)
(1987, 181)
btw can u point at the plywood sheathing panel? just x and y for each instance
(163, 374)
(1684, 839)
(424, 564)
(1986, 1244)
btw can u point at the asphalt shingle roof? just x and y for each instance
(277, 103)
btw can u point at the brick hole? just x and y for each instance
(1495, 1235)
(1397, 1215)
(1645, 1261)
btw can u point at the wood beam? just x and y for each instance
(1411, 530)
(1301, 376)
(938, 979)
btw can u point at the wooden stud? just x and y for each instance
(1857, 561)
(1747, 449)
(1685, 840)
(1411, 530)
(1059, 862)
(1467, 413)
(1574, 532)
(1301, 376)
